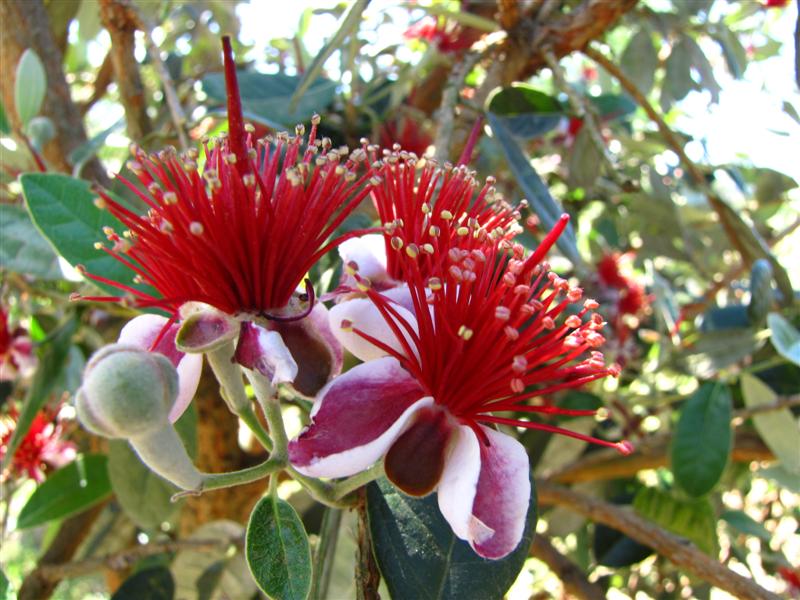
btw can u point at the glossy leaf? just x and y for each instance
(715, 350)
(154, 583)
(585, 161)
(265, 97)
(678, 81)
(63, 209)
(30, 86)
(744, 523)
(701, 443)
(615, 549)
(611, 107)
(277, 550)
(421, 559)
(53, 354)
(528, 112)
(73, 488)
(23, 249)
(778, 428)
(541, 202)
(785, 337)
(692, 519)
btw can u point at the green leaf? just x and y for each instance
(421, 559)
(692, 519)
(4, 586)
(732, 49)
(528, 112)
(53, 354)
(5, 126)
(701, 444)
(778, 428)
(349, 27)
(785, 338)
(743, 523)
(760, 291)
(639, 61)
(30, 86)
(265, 98)
(615, 549)
(23, 249)
(81, 484)
(585, 161)
(678, 81)
(277, 550)
(155, 583)
(541, 202)
(84, 153)
(63, 209)
(718, 349)
(611, 107)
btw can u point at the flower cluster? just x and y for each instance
(625, 294)
(42, 446)
(459, 331)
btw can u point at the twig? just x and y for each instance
(368, 577)
(651, 452)
(446, 112)
(325, 553)
(679, 551)
(740, 416)
(571, 575)
(124, 559)
(584, 110)
(173, 102)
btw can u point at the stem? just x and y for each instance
(324, 555)
(267, 397)
(368, 577)
(346, 486)
(249, 418)
(215, 481)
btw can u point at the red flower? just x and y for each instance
(16, 351)
(40, 448)
(406, 132)
(240, 236)
(448, 37)
(477, 332)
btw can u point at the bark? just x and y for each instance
(25, 24)
(576, 585)
(368, 577)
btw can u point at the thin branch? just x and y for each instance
(171, 95)
(576, 585)
(585, 111)
(446, 113)
(119, 561)
(677, 550)
(740, 416)
(368, 577)
(105, 74)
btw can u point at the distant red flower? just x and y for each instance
(629, 296)
(16, 351)
(42, 446)
(406, 132)
(792, 577)
(775, 3)
(448, 37)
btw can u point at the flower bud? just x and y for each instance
(126, 392)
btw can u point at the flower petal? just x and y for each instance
(355, 419)
(489, 510)
(142, 331)
(363, 315)
(368, 252)
(264, 351)
(205, 329)
(315, 349)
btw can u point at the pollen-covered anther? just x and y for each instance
(346, 325)
(98, 246)
(109, 232)
(375, 180)
(434, 231)
(456, 273)
(136, 167)
(517, 385)
(548, 323)
(594, 339)
(300, 129)
(465, 333)
(462, 231)
(425, 208)
(591, 304)
(100, 203)
(249, 180)
(363, 284)
(509, 279)
(434, 284)
(522, 290)
(153, 188)
(574, 340)
(511, 333)
(446, 215)
(428, 248)
(502, 313)
(397, 243)
(196, 228)
(519, 364)
(454, 254)
(252, 154)
(574, 294)
(412, 250)
(170, 197)
(573, 321)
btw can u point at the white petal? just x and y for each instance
(189, 369)
(369, 253)
(362, 314)
(456, 492)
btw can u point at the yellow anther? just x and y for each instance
(412, 250)
(196, 228)
(435, 284)
(397, 243)
(427, 248)
(446, 215)
(170, 198)
(100, 203)
(462, 231)
(434, 231)
(465, 333)
(573, 321)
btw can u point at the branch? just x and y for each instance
(784, 402)
(368, 577)
(571, 575)
(124, 559)
(679, 551)
(120, 21)
(651, 453)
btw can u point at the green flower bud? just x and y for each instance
(126, 392)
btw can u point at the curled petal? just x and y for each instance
(315, 349)
(489, 510)
(204, 329)
(142, 332)
(265, 351)
(363, 315)
(368, 252)
(356, 418)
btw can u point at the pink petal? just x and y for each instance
(499, 495)
(315, 349)
(264, 351)
(362, 314)
(356, 418)
(368, 252)
(142, 331)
